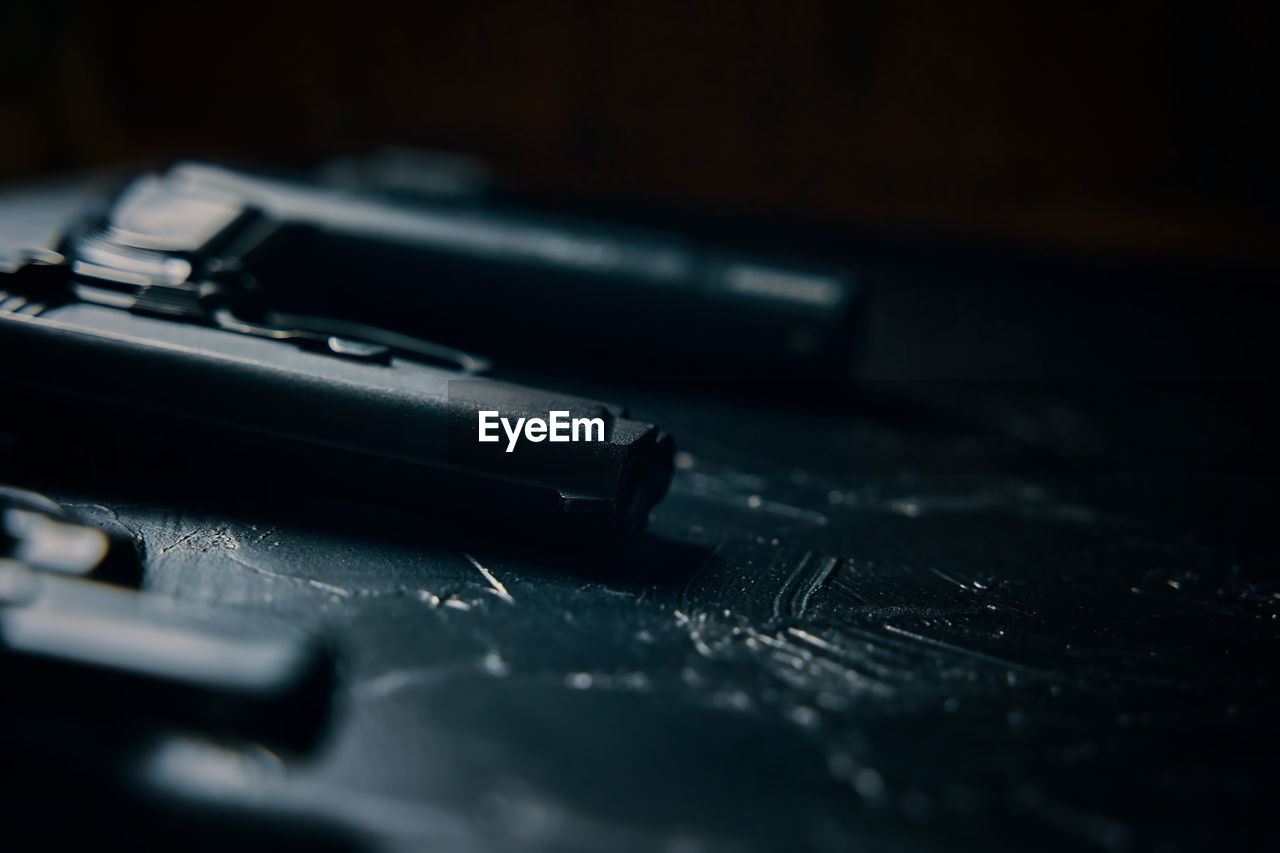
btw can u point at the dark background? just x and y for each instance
(1139, 129)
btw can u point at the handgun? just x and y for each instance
(79, 650)
(141, 312)
(423, 249)
(104, 681)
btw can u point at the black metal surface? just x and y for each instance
(836, 634)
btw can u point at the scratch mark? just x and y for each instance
(814, 641)
(216, 538)
(330, 588)
(115, 516)
(785, 588)
(339, 591)
(797, 591)
(819, 578)
(495, 585)
(178, 541)
(947, 577)
(961, 650)
(786, 510)
(694, 628)
(800, 666)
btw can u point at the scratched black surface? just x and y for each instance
(976, 619)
